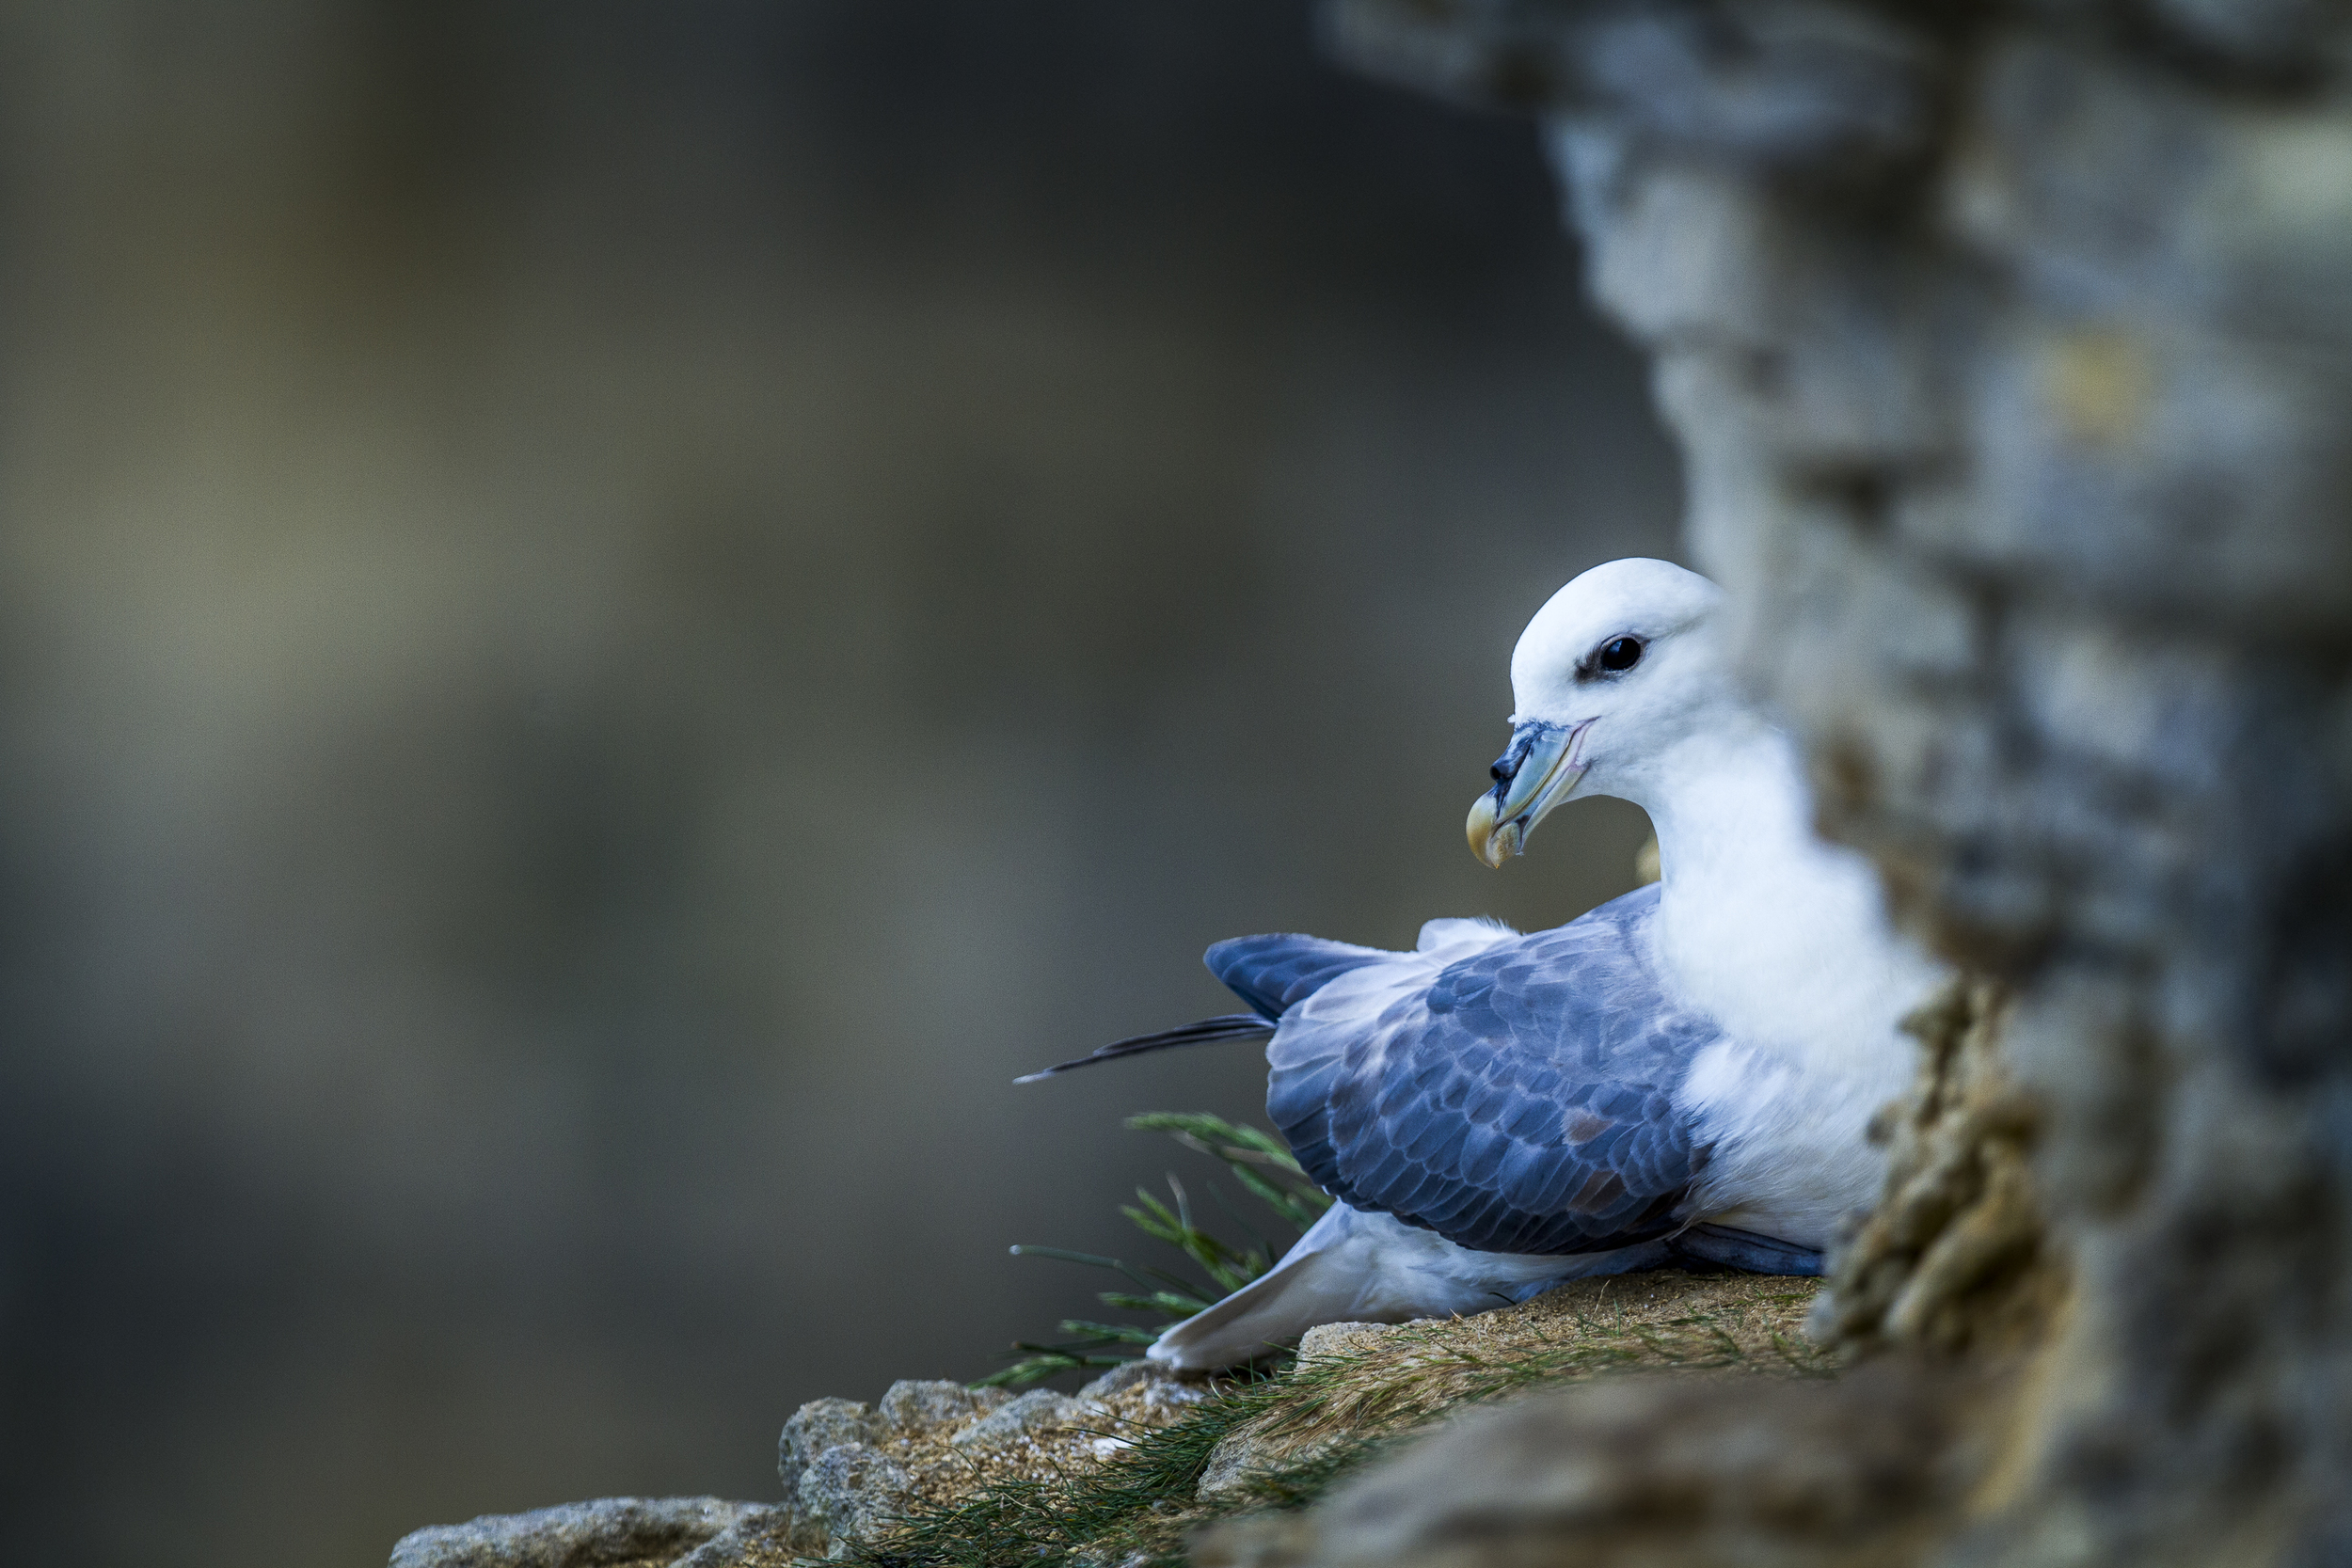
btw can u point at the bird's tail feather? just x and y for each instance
(1276, 972)
(1319, 1281)
(1225, 1027)
(1724, 1247)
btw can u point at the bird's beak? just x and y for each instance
(1541, 770)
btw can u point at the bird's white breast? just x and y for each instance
(1783, 940)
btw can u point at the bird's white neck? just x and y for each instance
(1782, 936)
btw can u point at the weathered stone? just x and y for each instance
(1039, 1410)
(1239, 1465)
(848, 1492)
(1337, 1339)
(761, 1538)
(1235, 1465)
(1655, 1473)
(1145, 1392)
(914, 1405)
(1376, 1382)
(818, 1425)
(1133, 1374)
(611, 1532)
(933, 1444)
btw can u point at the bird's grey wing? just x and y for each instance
(1520, 1102)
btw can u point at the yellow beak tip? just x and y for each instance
(1485, 842)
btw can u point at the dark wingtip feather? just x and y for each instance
(1225, 1027)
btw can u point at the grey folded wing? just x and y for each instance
(1522, 1101)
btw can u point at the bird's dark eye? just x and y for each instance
(1619, 654)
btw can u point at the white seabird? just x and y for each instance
(1683, 1073)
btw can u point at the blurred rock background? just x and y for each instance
(2010, 351)
(610, 616)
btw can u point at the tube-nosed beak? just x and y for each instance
(1541, 770)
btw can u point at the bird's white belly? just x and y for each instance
(1787, 1150)
(1408, 1271)
(1791, 956)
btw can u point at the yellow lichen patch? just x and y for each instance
(2101, 384)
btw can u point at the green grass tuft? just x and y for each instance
(1265, 1169)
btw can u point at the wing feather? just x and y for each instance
(1519, 1099)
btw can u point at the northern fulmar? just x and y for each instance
(1684, 1074)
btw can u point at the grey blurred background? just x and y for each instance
(611, 615)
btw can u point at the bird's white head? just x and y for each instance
(1617, 670)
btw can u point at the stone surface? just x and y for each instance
(920, 1405)
(2010, 354)
(849, 1490)
(818, 1425)
(1655, 1473)
(1235, 1463)
(1131, 1374)
(759, 1538)
(1355, 1382)
(1145, 1392)
(1039, 1410)
(849, 1469)
(1337, 1339)
(1375, 1382)
(928, 1443)
(611, 1532)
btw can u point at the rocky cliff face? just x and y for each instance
(2010, 352)
(1134, 1463)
